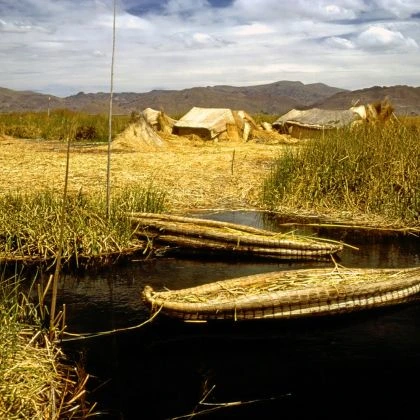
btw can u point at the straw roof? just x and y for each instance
(317, 118)
(212, 121)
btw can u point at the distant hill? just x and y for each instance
(405, 99)
(13, 100)
(274, 98)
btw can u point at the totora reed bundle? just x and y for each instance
(288, 294)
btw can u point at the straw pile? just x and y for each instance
(288, 294)
(232, 239)
(138, 136)
(195, 174)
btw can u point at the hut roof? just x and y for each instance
(212, 119)
(317, 118)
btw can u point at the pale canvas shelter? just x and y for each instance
(326, 119)
(158, 120)
(215, 124)
(316, 119)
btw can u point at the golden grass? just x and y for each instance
(195, 174)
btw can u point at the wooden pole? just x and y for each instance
(108, 170)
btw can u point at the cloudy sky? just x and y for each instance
(62, 47)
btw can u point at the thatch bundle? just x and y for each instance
(158, 120)
(211, 236)
(380, 111)
(138, 136)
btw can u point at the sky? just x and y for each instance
(62, 47)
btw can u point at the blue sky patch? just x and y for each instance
(143, 7)
(220, 3)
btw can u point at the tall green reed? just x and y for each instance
(40, 125)
(373, 170)
(30, 223)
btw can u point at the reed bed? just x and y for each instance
(36, 380)
(368, 172)
(196, 175)
(57, 125)
(30, 225)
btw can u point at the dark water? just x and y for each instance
(364, 365)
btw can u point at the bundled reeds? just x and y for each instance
(288, 294)
(231, 239)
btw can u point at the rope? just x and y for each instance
(85, 336)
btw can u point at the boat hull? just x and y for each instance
(287, 294)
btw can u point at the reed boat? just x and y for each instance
(169, 233)
(287, 294)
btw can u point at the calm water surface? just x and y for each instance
(357, 366)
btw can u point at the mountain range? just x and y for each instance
(274, 98)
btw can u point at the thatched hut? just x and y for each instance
(215, 124)
(314, 119)
(296, 121)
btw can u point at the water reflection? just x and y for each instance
(321, 368)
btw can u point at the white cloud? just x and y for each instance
(400, 8)
(338, 42)
(379, 37)
(254, 28)
(98, 53)
(185, 43)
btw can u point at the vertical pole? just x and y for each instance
(60, 248)
(108, 169)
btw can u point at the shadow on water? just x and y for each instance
(360, 365)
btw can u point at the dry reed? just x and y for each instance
(36, 380)
(195, 174)
(228, 290)
(288, 294)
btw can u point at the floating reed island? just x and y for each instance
(168, 233)
(287, 294)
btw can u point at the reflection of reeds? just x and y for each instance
(288, 294)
